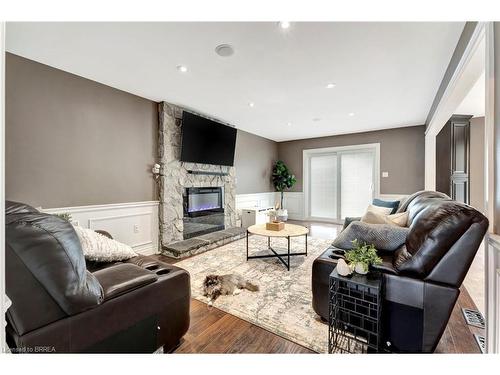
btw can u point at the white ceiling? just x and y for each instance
(474, 102)
(387, 74)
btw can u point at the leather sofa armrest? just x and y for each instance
(122, 278)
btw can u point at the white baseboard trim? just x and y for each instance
(294, 203)
(133, 223)
(263, 200)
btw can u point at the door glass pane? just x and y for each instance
(356, 182)
(323, 186)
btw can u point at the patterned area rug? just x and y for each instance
(283, 303)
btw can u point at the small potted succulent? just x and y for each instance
(362, 256)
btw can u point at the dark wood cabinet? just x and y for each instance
(452, 158)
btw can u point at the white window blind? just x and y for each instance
(323, 186)
(356, 181)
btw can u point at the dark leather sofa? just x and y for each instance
(423, 277)
(59, 306)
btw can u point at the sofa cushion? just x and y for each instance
(382, 236)
(386, 266)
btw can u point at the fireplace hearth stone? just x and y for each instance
(200, 244)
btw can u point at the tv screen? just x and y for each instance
(206, 141)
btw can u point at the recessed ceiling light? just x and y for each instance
(289, 123)
(351, 114)
(251, 104)
(224, 50)
(182, 68)
(284, 24)
(330, 86)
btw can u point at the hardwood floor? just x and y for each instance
(458, 336)
(215, 331)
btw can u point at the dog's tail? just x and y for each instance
(251, 287)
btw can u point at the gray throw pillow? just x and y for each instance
(382, 236)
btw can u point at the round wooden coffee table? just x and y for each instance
(290, 230)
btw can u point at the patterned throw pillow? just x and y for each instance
(382, 236)
(99, 248)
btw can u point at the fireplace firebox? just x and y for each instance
(203, 210)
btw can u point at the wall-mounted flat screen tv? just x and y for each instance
(206, 141)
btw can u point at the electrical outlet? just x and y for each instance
(136, 228)
(385, 174)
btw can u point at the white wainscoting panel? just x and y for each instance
(262, 200)
(135, 224)
(294, 203)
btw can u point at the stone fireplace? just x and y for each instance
(215, 183)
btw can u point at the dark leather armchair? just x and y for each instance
(59, 306)
(423, 277)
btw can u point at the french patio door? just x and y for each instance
(341, 182)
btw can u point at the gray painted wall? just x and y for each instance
(476, 177)
(401, 154)
(71, 141)
(253, 162)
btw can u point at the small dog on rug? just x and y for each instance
(218, 285)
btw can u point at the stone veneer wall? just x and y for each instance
(174, 177)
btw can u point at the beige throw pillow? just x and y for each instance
(379, 210)
(399, 219)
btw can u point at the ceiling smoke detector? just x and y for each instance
(182, 68)
(224, 50)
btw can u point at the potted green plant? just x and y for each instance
(282, 180)
(362, 256)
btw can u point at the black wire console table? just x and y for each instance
(290, 230)
(355, 313)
